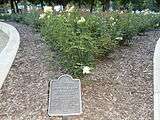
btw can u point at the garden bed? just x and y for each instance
(81, 40)
(120, 87)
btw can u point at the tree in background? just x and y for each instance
(158, 2)
(16, 6)
(12, 6)
(105, 4)
(41, 2)
(118, 4)
(25, 5)
(138, 4)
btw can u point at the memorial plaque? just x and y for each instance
(65, 97)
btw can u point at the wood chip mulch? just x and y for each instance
(119, 88)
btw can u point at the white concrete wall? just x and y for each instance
(7, 55)
(156, 62)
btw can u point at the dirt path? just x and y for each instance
(122, 87)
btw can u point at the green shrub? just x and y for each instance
(4, 17)
(79, 43)
(31, 18)
(128, 25)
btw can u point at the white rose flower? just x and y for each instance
(146, 13)
(152, 12)
(121, 12)
(48, 16)
(142, 11)
(111, 18)
(58, 8)
(86, 70)
(132, 12)
(48, 9)
(82, 20)
(119, 38)
(70, 9)
(157, 24)
(67, 8)
(138, 12)
(42, 16)
(69, 14)
(113, 23)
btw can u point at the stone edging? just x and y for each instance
(7, 55)
(156, 62)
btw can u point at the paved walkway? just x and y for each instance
(3, 40)
(120, 88)
(157, 81)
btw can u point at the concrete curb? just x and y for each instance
(7, 55)
(156, 62)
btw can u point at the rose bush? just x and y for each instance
(78, 39)
(81, 39)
